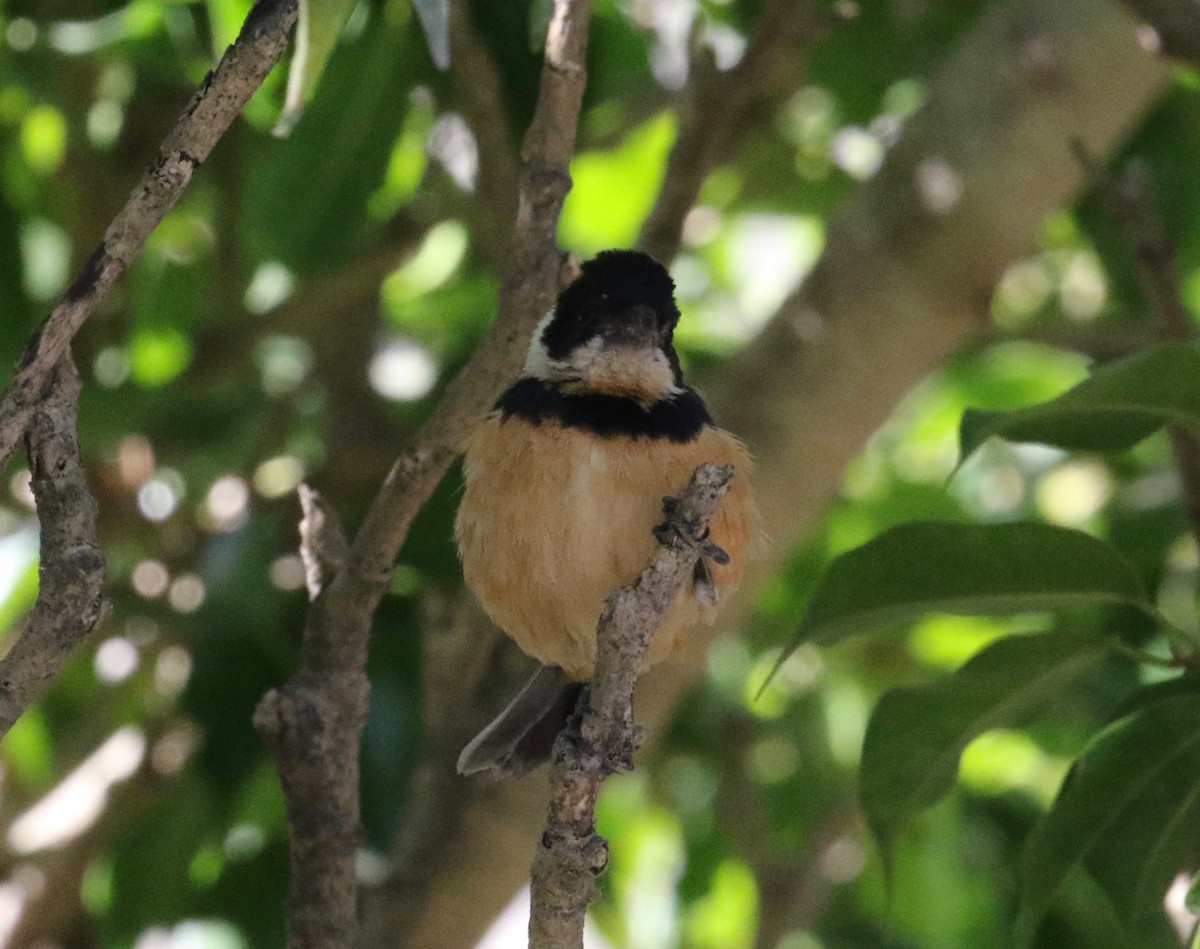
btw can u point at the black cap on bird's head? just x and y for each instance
(624, 297)
(610, 332)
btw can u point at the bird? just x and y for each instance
(566, 480)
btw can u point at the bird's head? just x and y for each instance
(610, 332)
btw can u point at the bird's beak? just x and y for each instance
(634, 328)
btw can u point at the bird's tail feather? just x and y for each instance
(522, 736)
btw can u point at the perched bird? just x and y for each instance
(565, 483)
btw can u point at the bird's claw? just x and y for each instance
(676, 529)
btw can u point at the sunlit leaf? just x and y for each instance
(157, 356)
(225, 18)
(966, 569)
(28, 749)
(21, 592)
(1130, 808)
(1115, 408)
(44, 139)
(916, 735)
(614, 189)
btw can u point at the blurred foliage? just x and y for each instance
(297, 315)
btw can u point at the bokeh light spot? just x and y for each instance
(186, 594)
(227, 503)
(116, 660)
(287, 572)
(276, 477)
(402, 371)
(150, 579)
(156, 500)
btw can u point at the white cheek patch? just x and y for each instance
(644, 374)
(538, 364)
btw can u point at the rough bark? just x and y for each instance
(70, 602)
(570, 854)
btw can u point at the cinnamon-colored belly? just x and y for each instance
(553, 519)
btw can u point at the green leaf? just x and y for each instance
(435, 21)
(338, 154)
(1129, 808)
(158, 355)
(1113, 409)
(614, 189)
(540, 12)
(917, 735)
(225, 18)
(966, 569)
(318, 27)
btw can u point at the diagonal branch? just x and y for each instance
(215, 105)
(527, 291)
(1176, 24)
(325, 702)
(714, 118)
(480, 93)
(70, 603)
(572, 854)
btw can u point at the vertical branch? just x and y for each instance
(571, 854)
(70, 603)
(314, 722)
(218, 101)
(313, 725)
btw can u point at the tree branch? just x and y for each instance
(325, 701)
(572, 854)
(70, 602)
(721, 106)
(480, 92)
(312, 725)
(215, 105)
(1177, 24)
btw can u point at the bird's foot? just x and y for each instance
(676, 528)
(619, 759)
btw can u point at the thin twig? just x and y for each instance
(713, 119)
(323, 706)
(1176, 24)
(70, 602)
(480, 92)
(572, 854)
(215, 105)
